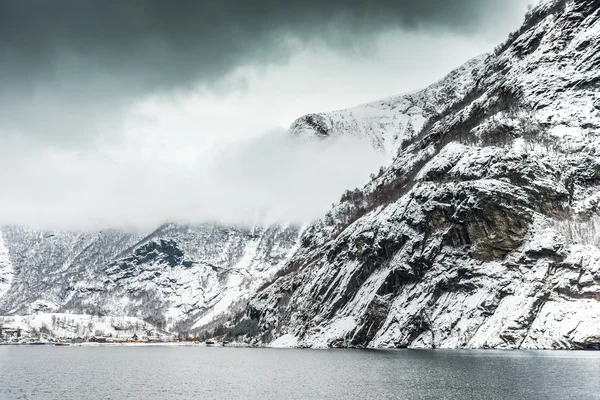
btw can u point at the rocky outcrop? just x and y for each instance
(165, 252)
(482, 233)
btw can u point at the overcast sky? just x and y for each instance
(128, 113)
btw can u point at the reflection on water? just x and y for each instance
(29, 372)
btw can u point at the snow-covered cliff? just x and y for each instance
(483, 231)
(388, 123)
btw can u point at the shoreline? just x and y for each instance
(249, 346)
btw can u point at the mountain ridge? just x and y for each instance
(389, 122)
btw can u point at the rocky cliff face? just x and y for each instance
(483, 231)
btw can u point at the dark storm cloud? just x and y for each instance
(69, 65)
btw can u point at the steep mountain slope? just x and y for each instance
(181, 277)
(177, 275)
(483, 231)
(192, 274)
(390, 122)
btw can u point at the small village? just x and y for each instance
(79, 330)
(17, 336)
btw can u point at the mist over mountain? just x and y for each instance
(464, 214)
(187, 276)
(263, 179)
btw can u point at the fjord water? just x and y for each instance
(171, 372)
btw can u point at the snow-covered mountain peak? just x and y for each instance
(391, 121)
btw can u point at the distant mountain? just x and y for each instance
(484, 230)
(175, 277)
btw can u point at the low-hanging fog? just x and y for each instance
(272, 177)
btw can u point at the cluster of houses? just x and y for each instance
(127, 339)
(10, 335)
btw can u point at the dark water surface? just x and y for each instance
(170, 372)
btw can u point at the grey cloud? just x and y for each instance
(69, 66)
(268, 178)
